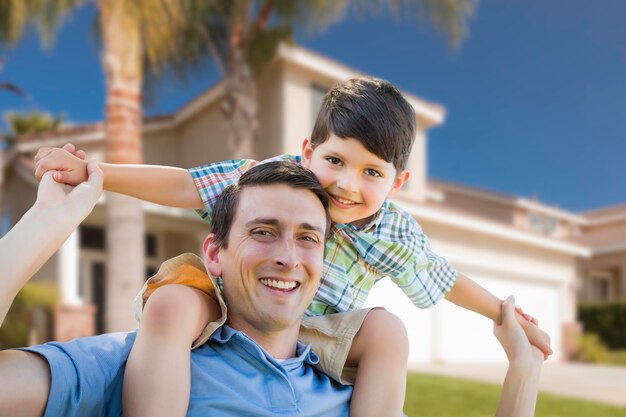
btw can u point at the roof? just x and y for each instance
(460, 220)
(430, 114)
(606, 215)
(509, 200)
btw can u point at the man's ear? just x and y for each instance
(212, 255)
(307, 152)
(400, 180)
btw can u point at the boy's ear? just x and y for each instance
(212, 255)
(307, 152)
(400, 180)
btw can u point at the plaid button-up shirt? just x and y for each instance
(392, 244)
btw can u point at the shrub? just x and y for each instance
(590, 349)
(19, 322)
(607, 320)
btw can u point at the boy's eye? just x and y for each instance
(333, 160)
(372, 173)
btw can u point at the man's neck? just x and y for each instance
(279, 343)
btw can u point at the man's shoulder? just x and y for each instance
(114, 347)
(86, 374)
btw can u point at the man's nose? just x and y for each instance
(287, 255)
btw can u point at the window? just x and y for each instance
(151, 245)
(543, 224)
(92, 237)
(151, 271)
(601, 286)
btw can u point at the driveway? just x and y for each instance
(605, 384)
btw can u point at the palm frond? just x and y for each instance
(13, 89)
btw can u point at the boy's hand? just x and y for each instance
(68, 164)
(535, 335)
(78, 201)
(512, 338)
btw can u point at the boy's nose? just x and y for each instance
(348, 182)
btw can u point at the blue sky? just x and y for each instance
(535, 97)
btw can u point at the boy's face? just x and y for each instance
(357, 181)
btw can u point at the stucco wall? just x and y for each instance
(271, 112)
(488, 209)
(298, 100)
(203, 138)
(161, 147)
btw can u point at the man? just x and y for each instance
(268, 250)
(272, 229)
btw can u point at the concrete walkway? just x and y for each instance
(605, 384)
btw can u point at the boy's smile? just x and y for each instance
(357, 181)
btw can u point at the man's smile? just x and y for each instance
(279, 284)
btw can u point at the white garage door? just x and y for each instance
(447, 333)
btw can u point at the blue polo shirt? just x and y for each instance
(231, 375)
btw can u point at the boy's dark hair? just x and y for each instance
(372, 111)
(277, 172)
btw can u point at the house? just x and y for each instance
(604, 273)
(543, 255)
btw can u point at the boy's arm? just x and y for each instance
(168, 186)
(469, 295)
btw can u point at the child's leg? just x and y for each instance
(157, 379)
(380, 351)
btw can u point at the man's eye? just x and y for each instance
(372, 173)
(262, 232)
(333, 160)
(310, 241)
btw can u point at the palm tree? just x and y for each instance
(242, 36)
(32, 122)
(131, 31)
(5, 141)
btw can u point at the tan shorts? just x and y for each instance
(331, 336)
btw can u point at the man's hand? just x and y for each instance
(59, 209)
(521, 384)
(68, 164)
(513, 337)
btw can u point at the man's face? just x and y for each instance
(357, 181)
(272, 265)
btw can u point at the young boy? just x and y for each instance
(358, 150)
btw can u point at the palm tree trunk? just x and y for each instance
(121, 59)
(2, 188)
(240, 104)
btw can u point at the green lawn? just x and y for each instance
(618, 357)
(436, 396)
